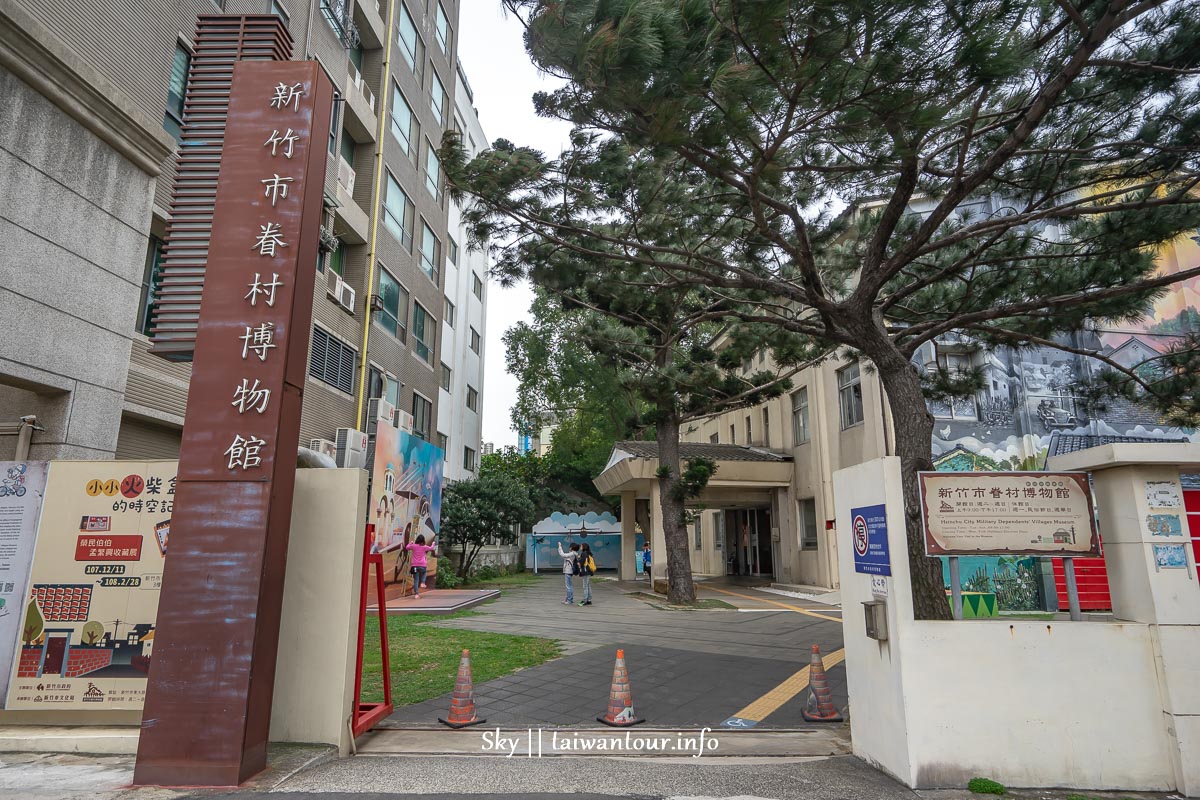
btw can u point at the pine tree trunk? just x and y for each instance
(914, 446)
(679, 563)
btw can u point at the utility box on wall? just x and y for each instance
(875, 615)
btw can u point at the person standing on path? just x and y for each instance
(587, 568)
(569, 558)
(420, 565)
(646, 561)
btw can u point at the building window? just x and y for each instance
(380, 384)
(391, 390)
(476, 286)
(335, 259)
(429, 251)
(173, 118)
(404, 122)
(149, 285)
(766, 440)
(334, 126)
(278, 10)
(332, 361)
(422, 411)
(410, 43)
(446, 375)
(808, 524)
(433, 172)
(749, 434)
(718, 519)
(399, 213)
(393, 316)
(733, 434)
(698, 534)
(442, 30)
(452, 250)
(714, 439)
(800, 433)
(472, 399)
(448, 313)
(468, 459)
(475, 341)
(422, 333)
(443, 441)
(850, 396)
(437, 97)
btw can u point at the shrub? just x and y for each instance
(985, 786)
(487, 572)
(446, 579)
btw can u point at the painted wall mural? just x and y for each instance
(406, 500)
(602, 532)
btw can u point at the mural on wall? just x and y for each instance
(406, 500)
(87, 631)
(601, 531)
(1030, 408)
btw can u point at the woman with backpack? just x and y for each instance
(587, 568)
(569, 558)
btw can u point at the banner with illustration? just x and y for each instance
(22, 484)
(87, 631)
(406, 501)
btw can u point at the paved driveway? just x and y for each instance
(687, 668)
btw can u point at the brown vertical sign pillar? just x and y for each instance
(208, 702)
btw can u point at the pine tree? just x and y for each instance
(880, 174)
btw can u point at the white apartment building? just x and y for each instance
(460, 401)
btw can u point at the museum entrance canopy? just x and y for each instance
(745, 476)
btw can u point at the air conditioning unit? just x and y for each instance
(346, 175)
(351, 448)
(404, 421)
(346, 297)
(379, 409)
(324, 446)
(333, 284)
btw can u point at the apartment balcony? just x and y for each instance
(350, 221)
(359, 116)
(368, 15)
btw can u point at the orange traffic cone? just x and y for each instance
(820, 706)
(620, 700)
(462, 704)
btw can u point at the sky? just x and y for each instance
(503, 80)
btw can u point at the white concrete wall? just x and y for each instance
(1039, 704)
(318, 635)
(462, 426)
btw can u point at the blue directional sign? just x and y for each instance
(868, 528)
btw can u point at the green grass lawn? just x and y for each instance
(424, 657)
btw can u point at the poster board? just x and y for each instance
(87, 635)
(22, 485)
(1008, 513)
(405, 501)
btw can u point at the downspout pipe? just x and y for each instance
(371, 249)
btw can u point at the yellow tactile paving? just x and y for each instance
(773, 700)
(788, 606)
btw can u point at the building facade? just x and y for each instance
(380, 300)
(464, 317)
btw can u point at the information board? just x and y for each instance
(1031, 513)
(22, 484)
(87, 630)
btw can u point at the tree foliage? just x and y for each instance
(870, 176)
(481, 511)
